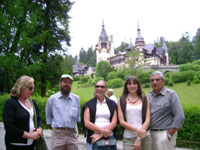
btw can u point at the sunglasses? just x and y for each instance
(30, 88)
(100, 86)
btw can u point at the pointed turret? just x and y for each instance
(103, 48)
(103, 35)
(139, 41)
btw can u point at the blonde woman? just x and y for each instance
(18, 116)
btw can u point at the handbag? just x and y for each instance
(109, 143)
(40, 143)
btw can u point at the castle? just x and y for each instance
(150, 54)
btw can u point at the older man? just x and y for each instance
(62, 114)
(111, 95)
(100, 115)
(167, 114)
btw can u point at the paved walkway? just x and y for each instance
(47, 135)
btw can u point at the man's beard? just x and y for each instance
(65, 91)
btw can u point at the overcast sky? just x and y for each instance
(167, 18)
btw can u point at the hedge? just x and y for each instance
(188, 136)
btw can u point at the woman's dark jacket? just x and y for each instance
(144, 107)
(16, 121)
(91, 104)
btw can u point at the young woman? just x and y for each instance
(134, 116)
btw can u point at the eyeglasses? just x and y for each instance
(100, 86)
(30, 88)
(157, 80)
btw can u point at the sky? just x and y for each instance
(156, 18)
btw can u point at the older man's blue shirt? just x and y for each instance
(63, 111)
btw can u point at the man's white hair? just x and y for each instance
(111, 90)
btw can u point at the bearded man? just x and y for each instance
(62, 114)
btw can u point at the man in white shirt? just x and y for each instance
(111, 95)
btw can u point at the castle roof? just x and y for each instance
(103, 35)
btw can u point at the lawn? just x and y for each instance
(189, 95)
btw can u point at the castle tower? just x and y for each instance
(139, 44)
(139, 41)
(103, 48)
(166, 52)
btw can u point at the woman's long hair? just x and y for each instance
(135, 80)
(22, 82)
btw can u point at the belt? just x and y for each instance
(63, 128)
(159, 129)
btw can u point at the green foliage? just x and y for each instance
(102, 69)
(181, 51)
(67, 64)
(182, 76)
(144, 76)
(121, 48)
(112, 75)
(122, 73)
(135, 63)
(191, 127)
(170, 83)
(196, 80)
(173, 59)
(188, 83)
(189, 67)
(84, 79)
(76, 78)
(196, 43)
(115, 83)
(88, 57)
(33, 32)
(94, 81)
(146, 85)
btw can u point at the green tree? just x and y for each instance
(185, 50)
(82, 56)
(67, 64)
(33, 31)
(135, 62)
(196, 42)
(173, 59)
(91, 57)
(121, 48)
(102, 69)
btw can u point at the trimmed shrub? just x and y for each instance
(76, 78)
(182, 76)
(189, 67)
(146, 85)
(144, 77)
(188, 83)
(111, 75)
(83, 79)
(170, 83)
(115, 83)
(196, 80)
(189, 135)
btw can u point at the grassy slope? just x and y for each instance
(189, 95)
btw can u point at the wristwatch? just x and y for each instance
(169, 136)
(138, 138)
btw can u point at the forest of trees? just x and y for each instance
(32, 35)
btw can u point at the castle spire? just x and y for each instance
(139, 41)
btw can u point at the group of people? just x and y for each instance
(150, 122)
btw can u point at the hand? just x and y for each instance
(106, 132)
(39, 131)
(142, 133)
(137, 144)
(34, 135)
(96, 137)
